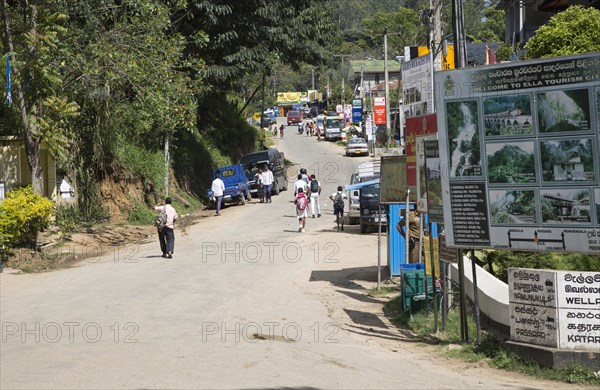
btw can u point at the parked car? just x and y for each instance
(294, 117)
(236, 187)
(254, 161)
(357, 147)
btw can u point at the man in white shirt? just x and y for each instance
(314, 188)
(267, 181)
(218, 188)
(166, 235)
(300, 183)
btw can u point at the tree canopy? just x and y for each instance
(573, 31)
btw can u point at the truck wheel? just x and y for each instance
(242, 199)
(275, 190)
(285, 184)
(363, 228)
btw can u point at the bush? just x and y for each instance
(140, 214)
(68, 219)
(22, 214)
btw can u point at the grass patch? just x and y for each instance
(488, 349)
(382, 291)
(341, 143)
(140, 214)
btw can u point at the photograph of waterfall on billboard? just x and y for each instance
(563, 111)
(463, 138)
(565, 205)
(513, 207)
(568, 160)
(507, 115)
(511, 162)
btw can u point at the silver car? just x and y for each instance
(357, 147)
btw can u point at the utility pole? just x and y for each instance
(387, 86)
(313, 78)
(460, 49)
(343, 75)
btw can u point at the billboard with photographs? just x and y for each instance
(519, 154)
(416, 87)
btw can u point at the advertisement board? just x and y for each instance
(519, 151)
(433, 181)
(416, 87)
(392, 187)
(415, 127)
(421, 170)
(379, 110)
(357, 110)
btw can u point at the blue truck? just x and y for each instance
(236, 187)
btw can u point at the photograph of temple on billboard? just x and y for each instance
(511, 162)
(568, 160)
(513, 207)
(507, 115)
(563, 111)
(463, 134)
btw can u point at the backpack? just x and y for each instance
(338, 201)
(301, 202)
(314, 186)
(161, 219)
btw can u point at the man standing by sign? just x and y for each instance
(414, 230)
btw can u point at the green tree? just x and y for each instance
(569, 32)
(32, 31)
(405, 21)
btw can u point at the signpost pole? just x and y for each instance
(464, 330)
(476, 296)
(379, 251)
(435, 308)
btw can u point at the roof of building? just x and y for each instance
(393, 84)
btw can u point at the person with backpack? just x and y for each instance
(218, 188)
(314, 190)
(299, 184)
(301, 206)
(338, 206)
(164, 224)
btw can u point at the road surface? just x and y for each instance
(235, 308)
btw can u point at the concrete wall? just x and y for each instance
(492, 293)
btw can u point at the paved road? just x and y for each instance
(230, 310)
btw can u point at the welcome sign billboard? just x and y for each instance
(519, 151)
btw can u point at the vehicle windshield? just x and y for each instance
(293, 113)
(370, 191)
(357, 141)
(333, 123)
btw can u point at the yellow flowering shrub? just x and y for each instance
(22, 214)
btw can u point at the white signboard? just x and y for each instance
(416, 87)
(559, 309)
(520, 150)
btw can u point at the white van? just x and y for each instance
(367, 170)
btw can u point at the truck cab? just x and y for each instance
(366, 171)
(236, 188)
(369, 208)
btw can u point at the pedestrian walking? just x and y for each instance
(164, 224)
(267, 180)
(281, 128)
(305, 177)
(299, 184)
(338, 206)
(301, 209)
(314, 190)
(312, 128)
(218, 188)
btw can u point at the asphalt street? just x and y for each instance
(230, 310)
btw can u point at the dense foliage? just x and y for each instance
(570, 32)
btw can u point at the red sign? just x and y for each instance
(415, 126)
(379, 110)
